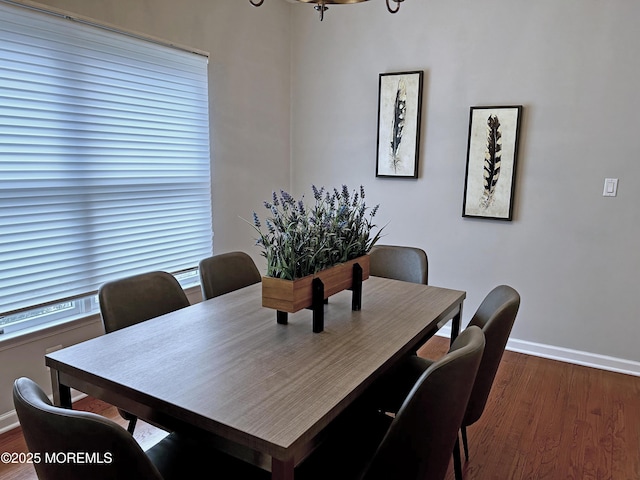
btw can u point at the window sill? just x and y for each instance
(57, 327)
(38, 332)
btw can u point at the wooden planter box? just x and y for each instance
(294, 295)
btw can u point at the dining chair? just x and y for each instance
(127, 301)
(423, 433)
(77, 445)
(409, 264)
(226, 272)
(495, 317)
(415, 445)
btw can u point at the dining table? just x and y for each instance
(263, 391)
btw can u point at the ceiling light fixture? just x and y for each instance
(321, 5)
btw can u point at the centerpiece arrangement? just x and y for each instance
(318, 244)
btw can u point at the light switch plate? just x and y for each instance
(610, 187)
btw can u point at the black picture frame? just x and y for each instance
(399, 115)
(492, 152)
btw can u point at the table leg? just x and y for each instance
(61, 393)
(281, 469)
(455, 324)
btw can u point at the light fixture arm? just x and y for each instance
(321, 6)
(389, 6)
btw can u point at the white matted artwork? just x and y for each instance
(491, 162)
(399, 108)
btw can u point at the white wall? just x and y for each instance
(249, 95)
(571, 253)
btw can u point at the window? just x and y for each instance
(104, 162)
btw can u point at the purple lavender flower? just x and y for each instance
(302, 240)
(270, 227)
(317, 194)
(286, 198)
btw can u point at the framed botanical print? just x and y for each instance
(491, 162)
(399, 109)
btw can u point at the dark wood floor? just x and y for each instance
(545, 420)
(552, 420)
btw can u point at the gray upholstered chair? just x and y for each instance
(134, 299)
(495, 316)
(409, 264)
(226, 272)
(108, 451)
(428, 418)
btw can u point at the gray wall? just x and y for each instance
(294, 102)
(572, 253)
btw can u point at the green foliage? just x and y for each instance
(301, 240)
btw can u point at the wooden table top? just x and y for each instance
(226, 366)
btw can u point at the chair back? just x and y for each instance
(409, 264)
(72, 444)
(420, 439)
(495, 316)
(134, 299)
(227, 272)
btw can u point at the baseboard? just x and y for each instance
(577, 357)
(9, 420)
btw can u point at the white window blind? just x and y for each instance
(104, 158)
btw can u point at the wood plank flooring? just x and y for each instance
(549, 420)
(546, 420)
